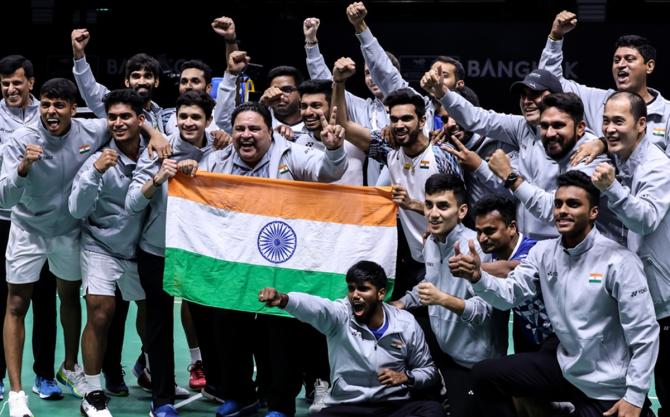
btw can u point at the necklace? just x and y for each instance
(410, 163)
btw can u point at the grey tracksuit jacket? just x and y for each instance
(599, 303)
(39, 201)
(355, 355)
(640, 197)
(99, 200)
(477, 334)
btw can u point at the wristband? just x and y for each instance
(310, 43)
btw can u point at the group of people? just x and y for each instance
(559, 214)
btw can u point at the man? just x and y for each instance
(640, 197)
(149, 189)
(597, 297)
(498, 235)
(20, 108)
(315, 97)
(257, 152)
(633, 62)
(409, 166)
(109, 236)
(283, 98)
(365, 334)
(38, 160)
(386, 75)
(467, 329)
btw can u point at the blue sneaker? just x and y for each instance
(275, 414)
(47, 388)
(232, 408)
(2, 389)
(115, 385)
(165, 410)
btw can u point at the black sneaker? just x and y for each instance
(94, 404)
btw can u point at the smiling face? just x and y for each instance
(529, 101)
(251, 137)
(143, 81)
(493, 234)
(443, 213)
(573, 214)
(365, 300)
(629, 69)
(374, 88)
(123, 122)
(193, 79)
(192, 122)
(405, 124)
(559, 132)
(622, 132)
(56, 114)
(312, 106)
(16, 88)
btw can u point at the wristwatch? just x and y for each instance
(410, 378)
(510, 180)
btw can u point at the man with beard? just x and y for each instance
(315, 96)
(367, 337)
(283, 98)
(598, 299)
(640, 196)
(409, 166)
(467, 328)
(142, 74)
(633, 62)
(20, 108)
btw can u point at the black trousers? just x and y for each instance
(662, 368)
(44, 314)
(385, 409)
(111, 364)
(408, 271)
(203, 319)
(533, 374)
(159, 327)
(460, 387)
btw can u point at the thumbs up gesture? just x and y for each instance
(468, 265)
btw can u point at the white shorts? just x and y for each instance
(27, 252)
(101, 274)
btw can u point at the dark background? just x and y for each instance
(498, 41)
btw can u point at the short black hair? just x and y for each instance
(256, 108)
(460, 70)
(143, 61)
(497, 202)
(11, 63)
(640, 43)
(438, 183)
(324, 87)
(59, 88)
(406, 96)
(579, 179)
(638, 107)
(369, 271)
(286, 70)
(568, 103)
(198, 64)
(125, 96)
(197, 98)
(468, 94)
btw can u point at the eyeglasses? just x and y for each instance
(288, 89)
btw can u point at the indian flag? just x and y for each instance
(228, 236)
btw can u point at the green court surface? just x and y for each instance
(137, 404)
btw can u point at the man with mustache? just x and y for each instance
(415, 160)
(639, 195)
(283, 98)
(602, 313)
(633, 62)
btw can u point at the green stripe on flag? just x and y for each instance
(235, 286)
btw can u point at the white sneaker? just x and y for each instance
(181, 392)
(74, 381)
(321, 389)
(18, 404)
(94, 404)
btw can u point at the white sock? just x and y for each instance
(146, 359)
(94, 382)
(195, 355)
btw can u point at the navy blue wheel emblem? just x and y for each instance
(277, 242)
